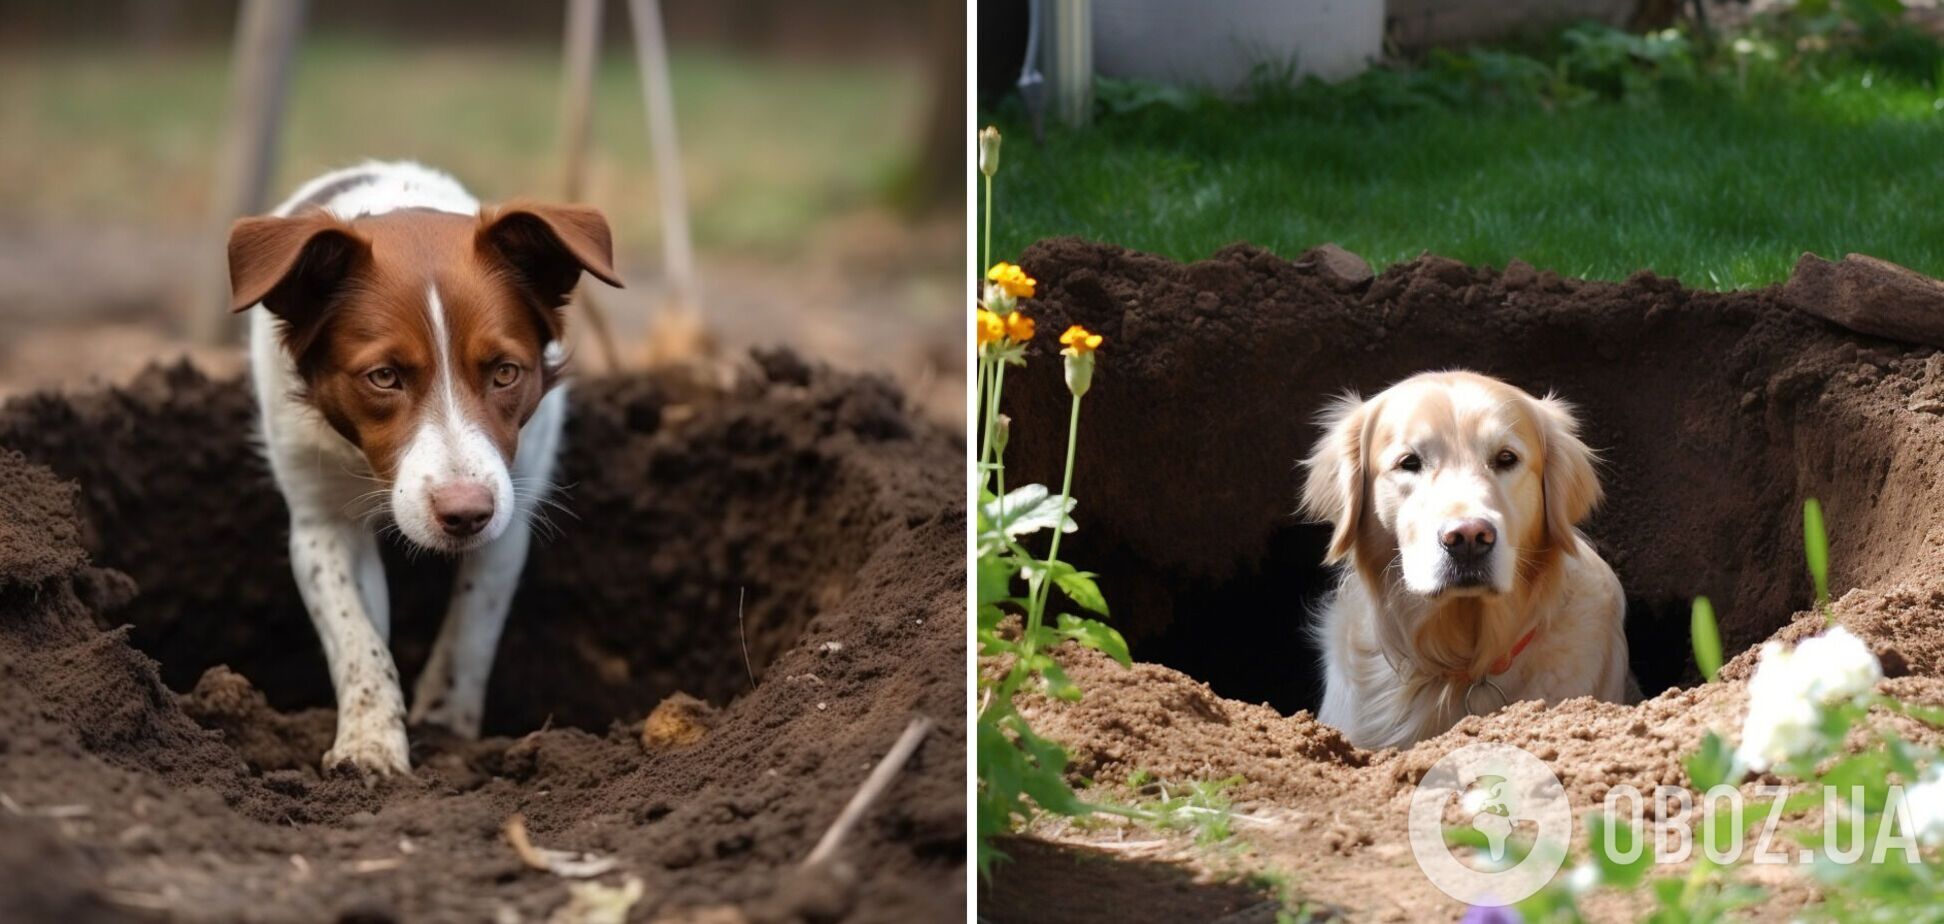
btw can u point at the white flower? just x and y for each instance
(1786, 696)
(1925, 800)
(1836, 666)
(1583, 878)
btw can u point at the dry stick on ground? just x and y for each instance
(516, 837)
(874, 786)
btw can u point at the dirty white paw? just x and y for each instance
(372, 755)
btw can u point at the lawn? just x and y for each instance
(1719, 186)
(770, 146)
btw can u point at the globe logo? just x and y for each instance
(1490, 824)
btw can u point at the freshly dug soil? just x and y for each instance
(1716, 414)
(167, 703)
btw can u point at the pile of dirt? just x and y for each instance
(167, 703)
(1716, 415)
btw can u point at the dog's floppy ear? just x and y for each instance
(1571, 488)
(295, 267)
(548, 246)
(1334, 491)
(291, 266)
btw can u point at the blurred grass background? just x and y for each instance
(819, 144)
(771, 145)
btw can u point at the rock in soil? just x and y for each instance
(165, 755)
(1344, 270)
(679, 721)
(1870, 296)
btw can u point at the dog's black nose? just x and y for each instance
(462, 509)
(1467, 540)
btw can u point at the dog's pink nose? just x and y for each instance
(462, 509)
(1469, 538)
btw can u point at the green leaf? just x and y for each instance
(1092, 633)
(1615, 869)
(1079, 587)
(1023, 511)
(1902, 758)
(1058, 685)
(1815, 547)
(1706, 638)
(1710, 766)
(995, 578)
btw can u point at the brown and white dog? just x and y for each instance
(1456, 500)
(407, 363)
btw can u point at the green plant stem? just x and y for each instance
(985, 252)
(991, 416)
(985, 411)
(1036, 613)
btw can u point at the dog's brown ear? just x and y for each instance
(547, 247)
(291, 266)
(1334, 490)
(1572, 489)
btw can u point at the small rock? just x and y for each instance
(1869, 296)
(679, 721)
(1518, 275)
(1342, 269)
(1926, 404)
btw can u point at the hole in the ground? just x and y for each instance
(1717, 414)
(1268, 607)
(1271, 605)
(670, 516)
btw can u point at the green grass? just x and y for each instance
(1202, 807)
(1719, 188)
(771, 146)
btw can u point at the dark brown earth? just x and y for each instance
(1716, 414)
(166, 704)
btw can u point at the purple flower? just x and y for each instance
(1485, 914)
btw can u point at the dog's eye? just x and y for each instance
(1410, 462)
(505, 374)
(384, 378)
(1506, 459)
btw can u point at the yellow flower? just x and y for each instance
(1079, 341)
(1019, 327)
(1012, 279)
(991, 327)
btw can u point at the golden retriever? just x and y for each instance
(1456, 500)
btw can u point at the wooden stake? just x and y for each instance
(679, 321)
(266, 37)
(582, 55)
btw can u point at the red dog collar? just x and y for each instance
(1504, 663)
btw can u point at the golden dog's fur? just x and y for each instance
(1408, 648)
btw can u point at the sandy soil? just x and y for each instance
(1717, 413)
(166, 703)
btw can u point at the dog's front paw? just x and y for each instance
(370, 757)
